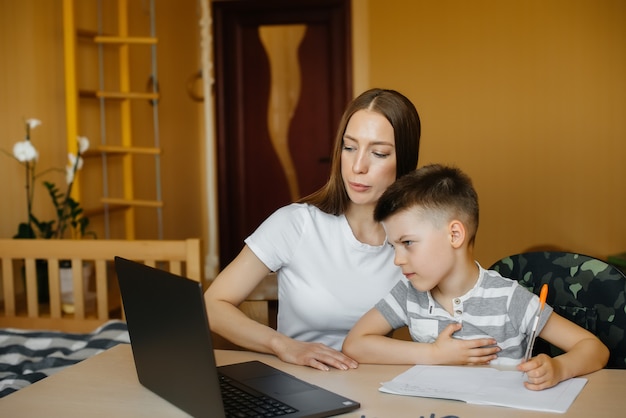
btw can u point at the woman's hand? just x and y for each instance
(450, 350)
(316, 355)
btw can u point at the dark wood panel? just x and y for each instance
(251, 180)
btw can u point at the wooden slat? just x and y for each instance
(54, 287)
(176, 267)
(97, 249)
(32, 303)
(132, 202)
(179, 256)
(8, 286)
(192, 250)
(146, 40)
(123, 95)
(100, 210)
(78, 288)
(102, 294)
(118, 149)
(118, 95)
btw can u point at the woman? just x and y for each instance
(330, 256)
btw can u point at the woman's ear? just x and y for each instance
(457, 233)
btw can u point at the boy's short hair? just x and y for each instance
(441, 191)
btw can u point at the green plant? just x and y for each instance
(69, 215)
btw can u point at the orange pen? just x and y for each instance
(533, 336)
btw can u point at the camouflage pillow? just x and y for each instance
(583, 289)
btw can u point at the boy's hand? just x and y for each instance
(541, 371)
(451, 350)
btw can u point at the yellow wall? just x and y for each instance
(32, 86)
(528, 97)
(31, 75)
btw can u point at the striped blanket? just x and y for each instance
(27, 356)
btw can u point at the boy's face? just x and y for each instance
(422, 247)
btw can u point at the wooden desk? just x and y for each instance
(106, 386)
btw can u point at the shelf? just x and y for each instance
(104, 111)
(123, 40)
(117, 95)
(132, 202)
(121, 150)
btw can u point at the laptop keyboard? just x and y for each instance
(240, 404)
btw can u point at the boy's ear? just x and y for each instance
(457, 233)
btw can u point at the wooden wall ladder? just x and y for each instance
(105, 106)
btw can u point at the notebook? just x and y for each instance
(173, 352)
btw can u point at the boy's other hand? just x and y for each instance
(450, 350)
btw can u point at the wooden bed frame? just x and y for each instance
(20, 306)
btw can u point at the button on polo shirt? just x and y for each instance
(457, 305)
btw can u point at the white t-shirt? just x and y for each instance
(327, 279)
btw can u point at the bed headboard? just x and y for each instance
(95, 295)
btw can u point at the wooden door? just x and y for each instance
(283, 78)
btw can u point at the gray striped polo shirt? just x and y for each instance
(496, 307)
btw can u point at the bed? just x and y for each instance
(27, 356)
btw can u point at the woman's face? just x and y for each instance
(368, 157)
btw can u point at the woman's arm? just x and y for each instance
(367, 343)
(230, 288)
(584, 353)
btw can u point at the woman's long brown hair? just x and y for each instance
(332, 198)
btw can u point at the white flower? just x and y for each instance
(33, 123)
(69, 174)
(83, 144)
(72, 159)
(24, 151)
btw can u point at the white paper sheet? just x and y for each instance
(483, 386)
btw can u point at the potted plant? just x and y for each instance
(69, 220)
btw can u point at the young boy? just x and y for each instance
(431, 218)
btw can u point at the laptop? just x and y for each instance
(173, 352)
